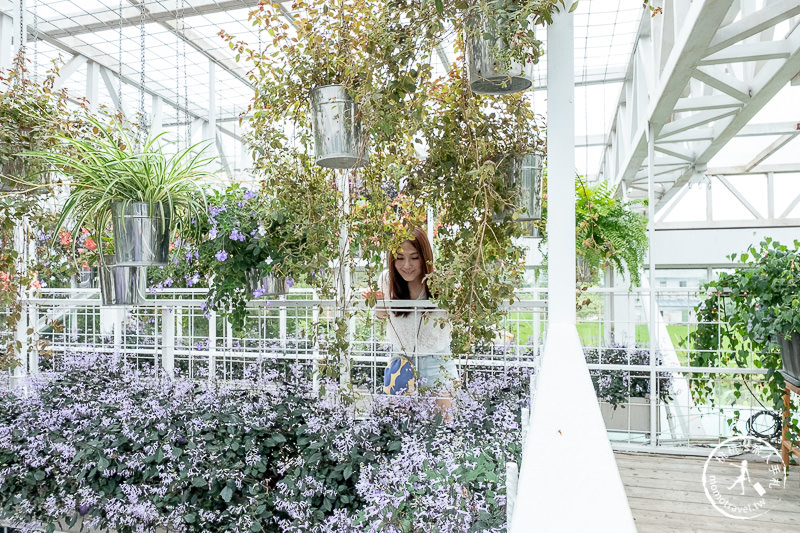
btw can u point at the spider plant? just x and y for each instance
(110, 168)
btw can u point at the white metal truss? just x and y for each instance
(699, 72)
(100, 64)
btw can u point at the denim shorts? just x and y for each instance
(436, 370)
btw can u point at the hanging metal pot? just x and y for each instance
(338, 138)
(141, 233)
(121, 285)
(487, 75)
(265, 285)
(525, 172)
(529, 178)
(88, 278)
(790, 357)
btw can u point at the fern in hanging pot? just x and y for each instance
(144, 190)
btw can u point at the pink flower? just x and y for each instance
(90, 244)
(65, 237)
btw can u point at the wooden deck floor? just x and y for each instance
(666, 495)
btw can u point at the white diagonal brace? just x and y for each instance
(754, 23)
(69, 68)
(773, 147)
(749, 52)
(768, 88)
(715, 77)
(739, 196)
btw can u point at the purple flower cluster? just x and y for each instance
(128, 451)
(221, 255)
(237, 235)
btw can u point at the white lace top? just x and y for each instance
(421, 332)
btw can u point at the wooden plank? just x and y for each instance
(706, 509)
(777, 503)
(666, 494)
(661, 522)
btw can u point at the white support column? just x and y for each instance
(567, 457)
(344, 281)
(6, 40)
(652, 330)
(168, 341)
(92, 83)
(212, 346)
(33, 349)
(21, 333)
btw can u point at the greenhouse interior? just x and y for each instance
(248, 284)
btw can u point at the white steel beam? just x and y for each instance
(92, 83)
(717, 63)
(568, 425)
(70, 67)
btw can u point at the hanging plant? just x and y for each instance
(472, 144)
(32, 116)
(609, 233)
(247, 237)
(744, 318)
(111, 174)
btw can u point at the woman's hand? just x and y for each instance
(367, 294)
(375, 296)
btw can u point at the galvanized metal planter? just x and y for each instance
(486, 74)
(525, 171)
(790, 356)
(338, 139)
(88, 278)
(634, 416)
(122, 285)
(141, 233)
(269, 285)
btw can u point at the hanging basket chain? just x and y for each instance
(142, 117)
(186, 119)
(178, 30)
(119, 61)
(35, 35)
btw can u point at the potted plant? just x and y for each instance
(609, 233)
(144, 191)
(341, 73)
(501, 44)
(32, 115)
(473, 145)
(249, 250)
(626, 388)
(754, 312)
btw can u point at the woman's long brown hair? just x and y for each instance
(397, 285)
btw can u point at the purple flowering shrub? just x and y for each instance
(245, 232)
(131, 449)
(617, 386)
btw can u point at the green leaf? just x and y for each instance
(226, 494)
(573, 7)
(439, 6)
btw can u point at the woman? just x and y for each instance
(418, 335)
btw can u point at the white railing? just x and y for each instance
(172, 331)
